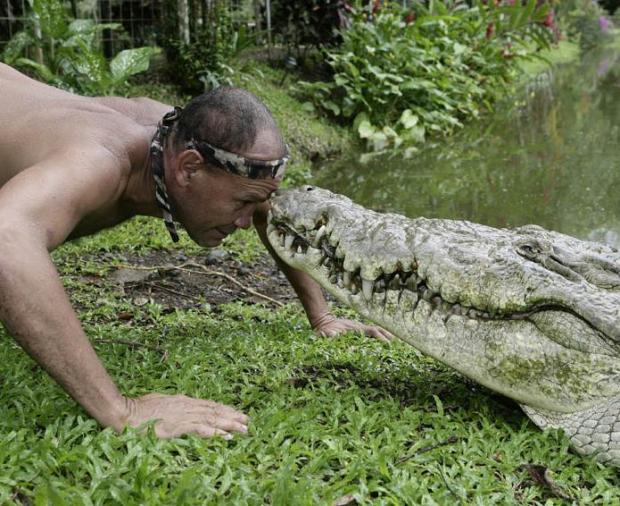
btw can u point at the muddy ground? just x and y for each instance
(214, 278)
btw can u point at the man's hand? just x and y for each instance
(178, 414)
(329, 326)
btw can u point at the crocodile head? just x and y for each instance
(532, 314)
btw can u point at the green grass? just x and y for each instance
(330, 417)
(564, 52)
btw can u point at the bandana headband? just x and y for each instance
(157, 162)
(239, 165)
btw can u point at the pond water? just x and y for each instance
(551, 157)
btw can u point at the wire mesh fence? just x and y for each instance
(145, 22)
(12, 16)
(141, 20)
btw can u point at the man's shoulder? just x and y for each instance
(142, 110)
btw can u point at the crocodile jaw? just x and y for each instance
(548, 358)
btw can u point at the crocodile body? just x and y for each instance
(529, 313)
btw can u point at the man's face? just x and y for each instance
(211, 203)
(219, 203)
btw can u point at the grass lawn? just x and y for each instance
(334, 421)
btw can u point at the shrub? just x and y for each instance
(310, 22)
(67, 51)
(585, 21)
(204, 62)
(405, 74)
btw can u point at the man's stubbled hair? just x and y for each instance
(227, 118)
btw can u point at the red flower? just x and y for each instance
(490, 29)
(410, 17)
(548, 22)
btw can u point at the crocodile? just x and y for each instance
(529, 313)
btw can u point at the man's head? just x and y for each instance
(216, 133)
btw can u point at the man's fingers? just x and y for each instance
(379, 336)
(378, 333)
(205, 431)
(164, 431)
(385, 334)
(220, 416)
(225, 411)
(226, 424)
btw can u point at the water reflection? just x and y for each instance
(551, 158)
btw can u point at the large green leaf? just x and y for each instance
(89, 64)
(51, 16)
(42, 70)
(16, 46)
(131, 61)
(408, 119)
(365, 129)
(88, 25)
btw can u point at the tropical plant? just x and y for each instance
(204, 61)
(405, 73)
(66, 52)
(585, 21)
(302, 23)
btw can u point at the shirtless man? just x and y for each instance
(71, 165)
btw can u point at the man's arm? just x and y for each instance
(39, 208)
(310, 294)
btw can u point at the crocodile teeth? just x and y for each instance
(367, 288)
(347, 279)
(412, 282)
(288, 242)
(395, 282)
(380, 286)
(319, 236)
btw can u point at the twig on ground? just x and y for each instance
(173, 292)
(205, 271)
(127, 342)
(449, 441)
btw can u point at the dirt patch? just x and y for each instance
(216, 278)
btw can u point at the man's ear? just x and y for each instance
(187, 166)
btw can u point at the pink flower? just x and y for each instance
(604, 24)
